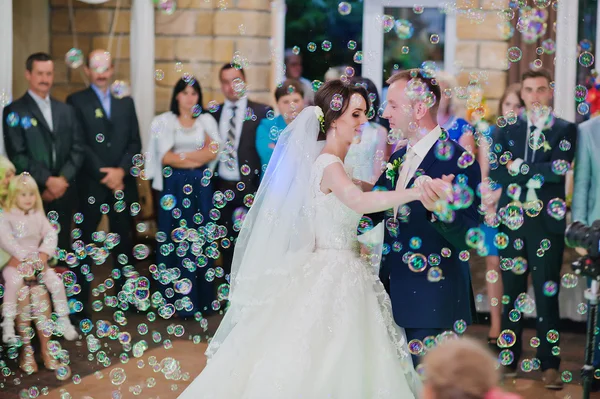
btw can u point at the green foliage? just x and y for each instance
(319, 20)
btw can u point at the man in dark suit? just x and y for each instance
(112, 138)
(239, 167)
(423, 266)
(43, 137)
(533, 156)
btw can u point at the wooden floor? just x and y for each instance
(163, 371)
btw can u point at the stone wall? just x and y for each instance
(93, 24)
(198, 38)
(481, 49)
(203, 35)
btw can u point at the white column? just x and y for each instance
(565, 69)
(142, 64)
(278, 9)
(6, 48)
(372, 66)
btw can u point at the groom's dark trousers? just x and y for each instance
(421, 303)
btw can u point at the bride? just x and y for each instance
(308, 317)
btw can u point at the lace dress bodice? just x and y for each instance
(335, 223)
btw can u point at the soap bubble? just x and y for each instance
(74, 58)
(344, 8)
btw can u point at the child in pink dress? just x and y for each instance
(29, 238)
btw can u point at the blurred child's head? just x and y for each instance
(7, 172)
(290, 99)
(23, 194)
(460, 369)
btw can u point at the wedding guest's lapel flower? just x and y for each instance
(33, 122)
(99, 113)
(546, 146)
(392, 168)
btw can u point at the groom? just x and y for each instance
(421, 268)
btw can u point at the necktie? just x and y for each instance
(232, 127)
(406, 168)
(527, 146)
(47, 112)
(106, 104)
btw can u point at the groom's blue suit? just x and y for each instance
(421, 306)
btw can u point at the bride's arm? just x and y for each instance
(336, 181)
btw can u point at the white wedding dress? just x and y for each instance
(328, 333)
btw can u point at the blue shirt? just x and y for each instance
(104, 99)
(456, 127)
(267, 134)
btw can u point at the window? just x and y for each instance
(385, 50)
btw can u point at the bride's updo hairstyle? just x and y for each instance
(460, 369)
(333, 98)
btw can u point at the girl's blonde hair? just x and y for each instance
(461, 368)
(5, 167)
(20, 183)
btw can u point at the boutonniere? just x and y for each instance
(392, 170)
(546, 146)
(99, 113)
(33, 122)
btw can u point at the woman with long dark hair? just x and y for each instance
(184, 147)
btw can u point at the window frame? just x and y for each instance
(372, 66)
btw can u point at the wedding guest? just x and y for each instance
(451, 112)
(293, 70)
(290, 102)
(462, 369)
(370, 151)
(533, 157)
(586, 196)
(333, 73)
(42, 136)
(182, 158)
(29, 238)
(509, 102)
(239, 167)
(7, 172)
(111, 139)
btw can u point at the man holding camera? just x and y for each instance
(534, 155)
(586, 195)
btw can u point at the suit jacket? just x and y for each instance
(511, 140)
(586, 193)
(247, 154)
(33, 147)
(418, 302)
(121, 141)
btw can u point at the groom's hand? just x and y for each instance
(436, 190)
(448, 178)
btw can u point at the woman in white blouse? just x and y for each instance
(183, 151)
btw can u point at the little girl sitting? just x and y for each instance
(27, 235)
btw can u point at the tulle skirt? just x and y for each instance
(329, 333)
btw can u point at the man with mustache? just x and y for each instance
(42, 137)
(111, 140)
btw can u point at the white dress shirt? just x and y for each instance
(414, 156)
(225, 172)
(419, 150)
(45, 107)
